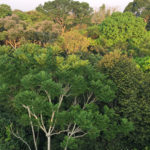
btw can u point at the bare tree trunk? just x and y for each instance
(48, 142)
(33, 133)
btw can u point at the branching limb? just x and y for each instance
(48, 96)
(20, 138)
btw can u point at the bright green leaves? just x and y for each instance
(32, 52)
(102, 92)
(123, 31)
(144, 63)
(72, 144)
(140, 8)
(71, 62)
(34, 79)
(102, 88)
(5, 50)
(3, 89)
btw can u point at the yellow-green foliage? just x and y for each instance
(74, 42)
(143, 63)
(32, 52)
(72, 61)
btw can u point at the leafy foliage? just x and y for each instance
(5, 10)
(60, 10)
(140, 8)
(131, 102)
(12, 30)
(74, 79)
(124, 32)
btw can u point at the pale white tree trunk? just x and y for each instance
(32, 127)
(48, 142)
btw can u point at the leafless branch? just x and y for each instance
(20, 138)
(60, 132)
(79, 136)
(49, 97)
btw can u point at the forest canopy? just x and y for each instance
(75, 78)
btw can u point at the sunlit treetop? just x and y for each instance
(5, 10)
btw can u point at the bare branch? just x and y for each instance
(20, 138)
(93, 101)
(75, 101)
(49, 97)
(60, 132)
(42, 122)
(88, 100)
(51, 121)
(32, 127)
(80, 135)
(26, 107)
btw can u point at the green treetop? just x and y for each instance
(140, 8)
(57, 95)
(125, 32)
(66, 12)
(5, 10)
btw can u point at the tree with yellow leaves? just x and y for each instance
(74, 42)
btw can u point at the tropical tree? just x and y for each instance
(42, 32)
(12, 30)
(144, 63)
(55, 95)
(5, 10)
(31, 17)
(140, 8)
(133, 99)
(66, 12)
(74, 42)
(125, 32)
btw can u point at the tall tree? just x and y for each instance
(133, 98)
(43, 32)
(66, 12)
(140, 8)
(5, 10)
(57, 95)
(74, 42)
(125, 32)
(12, 30)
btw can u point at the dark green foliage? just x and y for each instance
(66, 12)
(132, 99)
(36, 80)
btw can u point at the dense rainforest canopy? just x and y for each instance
(73, 78)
